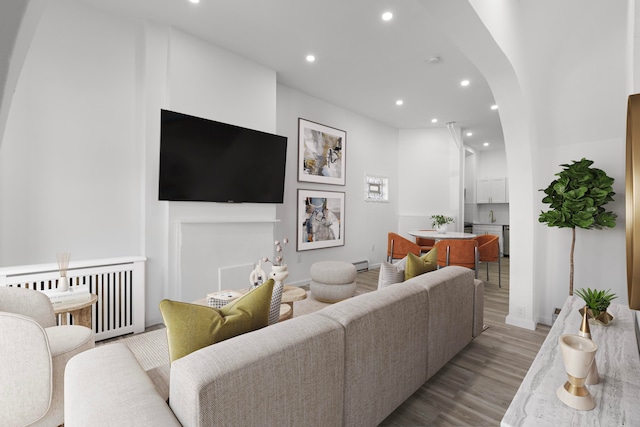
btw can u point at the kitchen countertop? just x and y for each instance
(489, 223)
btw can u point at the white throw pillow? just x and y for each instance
(402, 264)
(389, 274)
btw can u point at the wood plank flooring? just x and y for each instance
(475, 387)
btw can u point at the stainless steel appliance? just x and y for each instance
(505, 233)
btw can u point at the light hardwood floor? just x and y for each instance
(475, 387)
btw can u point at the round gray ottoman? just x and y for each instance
(333, 281)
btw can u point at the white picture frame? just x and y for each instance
(320, 219)
(321, 153)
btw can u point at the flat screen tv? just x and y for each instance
(207, 161)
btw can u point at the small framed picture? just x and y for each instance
(320, 219)
(321, 153)
(376, 188)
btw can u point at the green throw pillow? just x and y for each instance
(191, 327)
(420, 265)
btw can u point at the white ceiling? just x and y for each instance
(363, 63)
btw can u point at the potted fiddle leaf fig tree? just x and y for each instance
(577, 198)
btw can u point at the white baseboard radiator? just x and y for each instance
(119, 284)
(362, 265)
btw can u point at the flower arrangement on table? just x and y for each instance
(279, 259)
(439, 222)
(278, 270)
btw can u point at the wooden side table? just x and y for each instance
(291, 294)
(80, 311)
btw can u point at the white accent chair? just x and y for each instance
(33, 355)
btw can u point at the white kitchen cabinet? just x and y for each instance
(496, 230)
(491, 190)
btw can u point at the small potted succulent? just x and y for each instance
(439, 222)
(597, 303)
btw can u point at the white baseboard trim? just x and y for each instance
(520, 322)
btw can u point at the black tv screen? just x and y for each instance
(208, 161)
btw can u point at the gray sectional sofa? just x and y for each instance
(349, 364)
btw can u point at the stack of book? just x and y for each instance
(74, 294)
(222, 298)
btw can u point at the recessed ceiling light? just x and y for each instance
(486, 144)
(469, 133)
(464, 83)
(195, 1)
(494, 107)
(399, 102)
(387, 16)
(434, 120)
(311, 58)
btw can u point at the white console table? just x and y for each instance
(617, 395)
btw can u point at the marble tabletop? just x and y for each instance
(617, 395)
(431, 234)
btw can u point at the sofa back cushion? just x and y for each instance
(386, 336)
(291, 373)
(451, 311)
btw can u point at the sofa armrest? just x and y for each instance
(106, 386)
(478, 307)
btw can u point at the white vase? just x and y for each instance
(441, 228)
(279, 273)
(63, 284)
(578, 354)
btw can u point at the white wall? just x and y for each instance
(492, 164)
(69, 175)
(562, 86)
(370, 148)
(79, 161)
(576, 100)
(429, 176)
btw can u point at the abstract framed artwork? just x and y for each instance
(320, 219)
(321, 153)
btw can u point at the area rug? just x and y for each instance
(150, 348)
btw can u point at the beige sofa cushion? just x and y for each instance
(450, 306)
(386, 337)
(116, 393)
(290, 373)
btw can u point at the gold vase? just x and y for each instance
(602, 319)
